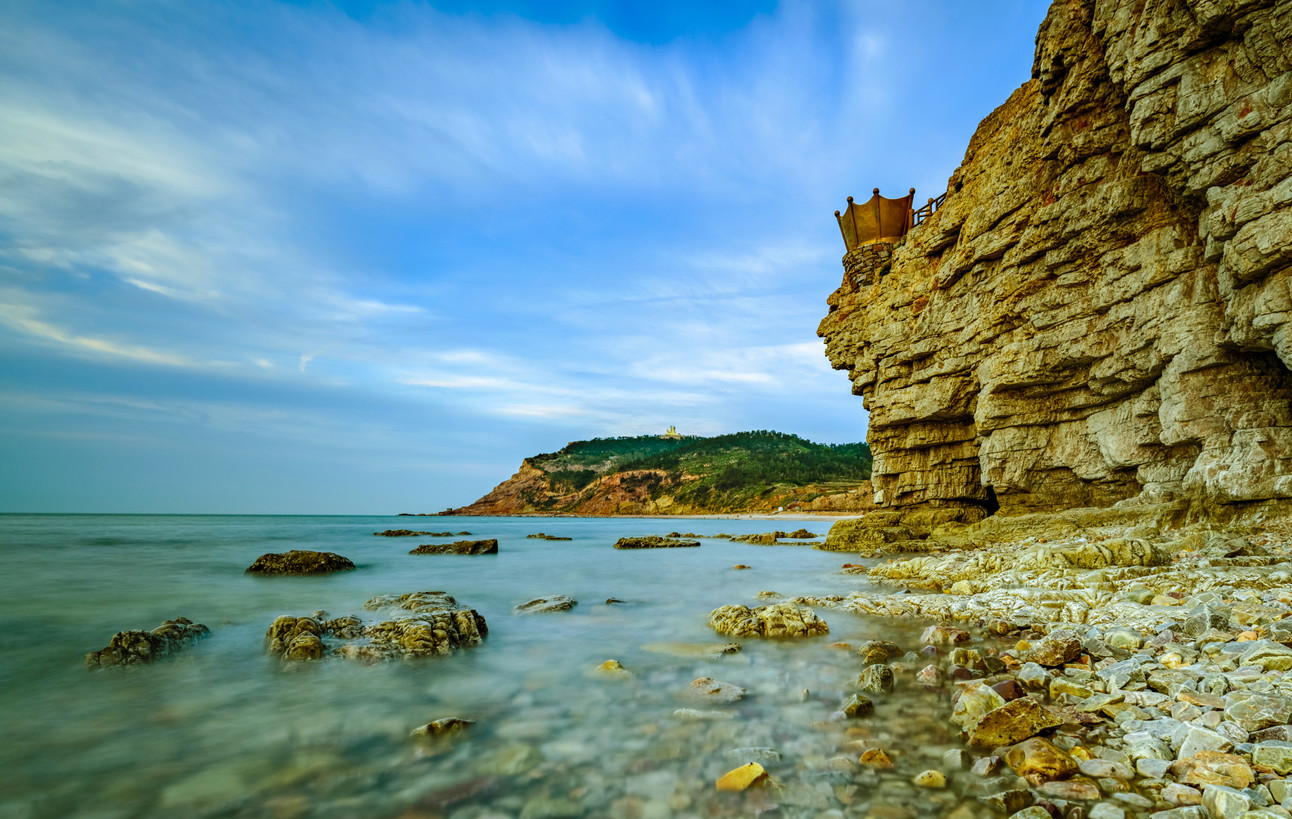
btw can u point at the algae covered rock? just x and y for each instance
(461, 547)
(431, 633)
(295, 638)
(654, 542)
(300, 562)
(780, 620)
(436, 627)
(875, 533)
(141, 647)
(876, 679)
(1012, 722)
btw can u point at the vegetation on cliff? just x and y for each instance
(745, 471)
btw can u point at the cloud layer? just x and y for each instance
(260, 256)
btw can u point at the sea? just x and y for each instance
(224, 729)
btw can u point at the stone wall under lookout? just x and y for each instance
(1101, 309)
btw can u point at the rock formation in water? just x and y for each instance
(141, 647)
(460, 547)
(1100, 310)
(300, 562)
(436, 626)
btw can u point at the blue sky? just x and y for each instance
(363, 257)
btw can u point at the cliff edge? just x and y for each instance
(1100, 310)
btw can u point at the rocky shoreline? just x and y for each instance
(1091, 665)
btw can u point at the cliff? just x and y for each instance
(744, 472)
(1100, 310)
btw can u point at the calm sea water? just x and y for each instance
(224, 730)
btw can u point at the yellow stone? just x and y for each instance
(612, 667)
(1022, 646)
(1080, 753)
(876, 758)
(738, 779)
(930, 779)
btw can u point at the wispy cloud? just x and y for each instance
(507, 229)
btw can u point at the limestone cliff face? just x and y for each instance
(1101, 310)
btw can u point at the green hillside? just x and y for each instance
(735, 467)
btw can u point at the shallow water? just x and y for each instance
(224, 730)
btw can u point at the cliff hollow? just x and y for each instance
(1100, 311)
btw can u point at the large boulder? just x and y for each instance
(140, 647)
(461, 547)
(780, 620)
(300, 562)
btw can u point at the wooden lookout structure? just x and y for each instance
(881, 219)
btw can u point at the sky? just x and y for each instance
(363, 257)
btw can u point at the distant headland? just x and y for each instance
(675, 474)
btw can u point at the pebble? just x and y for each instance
(930, 779)
(738, 779)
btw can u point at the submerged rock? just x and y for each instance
(876, 679)
(545, 536)
(858, 706)
(461, 547)
(654, 542)
(541, 605)
(751, 773)
(412, 533)
(707, 689)
(141, 647)
(440, 727)
(693, 649)
(779, 620)
(300, 562)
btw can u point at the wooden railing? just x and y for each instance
(922, 213)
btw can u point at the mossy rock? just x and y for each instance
(461, 547)
(300, 562)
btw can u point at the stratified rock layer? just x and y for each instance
(1100, 310)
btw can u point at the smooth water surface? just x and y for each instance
(224, 730)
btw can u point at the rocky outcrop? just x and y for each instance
(300, 562)
(654, 542)
(141, 647)
(780, 620)
(436, 626)
(461, 547)
(1100, 310)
